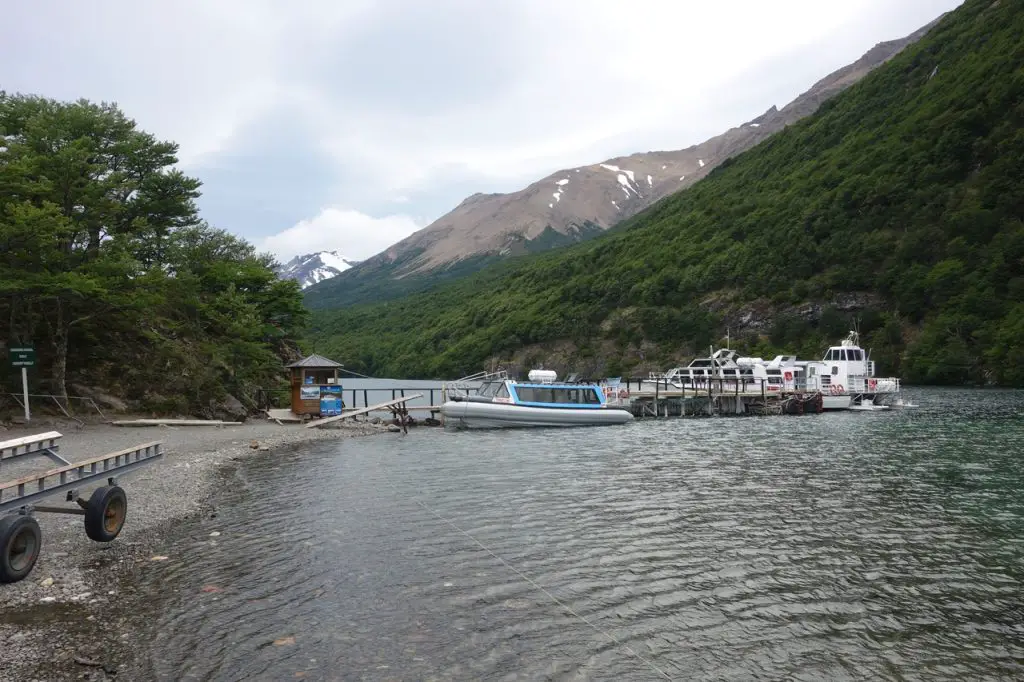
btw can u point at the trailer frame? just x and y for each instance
(105, 511)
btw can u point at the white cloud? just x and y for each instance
(398, 95)
(354, 235)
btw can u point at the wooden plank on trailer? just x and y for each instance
(363, 410)
(29, 478)
(16, 443)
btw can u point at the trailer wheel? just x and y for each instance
(105, 513)
(20, 541)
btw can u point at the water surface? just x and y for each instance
(835, 546)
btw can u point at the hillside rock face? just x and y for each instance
(574, 203)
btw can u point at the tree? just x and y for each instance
(90, 194)
(105, 261)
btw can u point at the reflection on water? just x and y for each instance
(836, 546)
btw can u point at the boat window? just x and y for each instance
(567, 395)
(502, 392)
(858, 355)
(532, 394)
(774, 372)
(558, 396)
(810, 371)
(835, 370)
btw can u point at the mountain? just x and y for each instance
(316, 267)
(898, 206)
(570, 205)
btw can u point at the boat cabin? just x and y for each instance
(723, 365)
(845, 368)
(556, 395)
(542, 390)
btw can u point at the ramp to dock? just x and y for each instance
(391, 405)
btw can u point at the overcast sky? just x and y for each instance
(347, 124)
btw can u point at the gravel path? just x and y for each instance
(48, 620)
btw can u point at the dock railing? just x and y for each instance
(354, 398)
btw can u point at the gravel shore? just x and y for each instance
(49, 621)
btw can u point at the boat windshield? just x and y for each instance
(558, 395)
(492, 388)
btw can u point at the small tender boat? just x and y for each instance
(501, 402)
(867, 406)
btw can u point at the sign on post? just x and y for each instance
(23, 356)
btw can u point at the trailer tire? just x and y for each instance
(105, 513)
(20, 542)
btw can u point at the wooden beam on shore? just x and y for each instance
(363, 410)
(173, 422)
(283, 415)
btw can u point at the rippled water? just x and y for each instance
(836, 546)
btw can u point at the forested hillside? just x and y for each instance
(107, 269)
(900, 203)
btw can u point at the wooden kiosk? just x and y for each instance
(316, 387)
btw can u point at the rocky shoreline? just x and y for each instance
(68, 619)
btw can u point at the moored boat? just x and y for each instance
(501, 402)
(844, 378)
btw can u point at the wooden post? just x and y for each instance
(24, 392)
(657, 387)
(366, 399)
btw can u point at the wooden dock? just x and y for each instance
(659, 398)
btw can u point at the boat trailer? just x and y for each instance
(104, 511)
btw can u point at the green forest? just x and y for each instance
(907, 189)
(108, 271)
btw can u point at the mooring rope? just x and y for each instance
(540, 587)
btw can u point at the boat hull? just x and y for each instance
(476, 415)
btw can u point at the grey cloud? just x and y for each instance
(427, 57)
(284, 110)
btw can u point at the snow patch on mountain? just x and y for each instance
(311, 268)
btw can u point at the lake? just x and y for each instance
(839, 546)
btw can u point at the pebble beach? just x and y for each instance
(67, 619)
